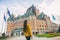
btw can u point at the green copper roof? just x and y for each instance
(41, 16)
(17, 30)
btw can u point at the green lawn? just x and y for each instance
(3, 38)
(48, 35)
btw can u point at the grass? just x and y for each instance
(3, 38)
(48, 35)
(45, 35)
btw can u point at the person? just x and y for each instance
(12, 34)
(27, 31)
(3, 34)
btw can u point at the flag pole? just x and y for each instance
(3, 24)
(2, 27)
(6, 23)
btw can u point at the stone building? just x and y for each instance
(54, 27)
(39, 22)
(41, 26)
(48, 23)
(10, 27)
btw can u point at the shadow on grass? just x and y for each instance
(3, 38)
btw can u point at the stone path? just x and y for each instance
(34, 38)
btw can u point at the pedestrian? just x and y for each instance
(12, 34)
(27, 30)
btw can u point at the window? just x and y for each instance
(43, 28)
(45, 25)
(40, 25)
(40, 28)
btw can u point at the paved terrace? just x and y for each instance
(34, 38)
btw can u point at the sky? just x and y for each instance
(19, 7)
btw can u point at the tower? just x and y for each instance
(37, 12)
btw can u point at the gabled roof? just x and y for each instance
(29, 12)
(41, 16)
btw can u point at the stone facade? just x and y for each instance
(38, 25)
(48, 23)
(10, 26)
(54, 27)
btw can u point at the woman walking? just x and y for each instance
(27, 30)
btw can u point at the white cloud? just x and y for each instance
(52, 8)
(15, 9)
(49, 7)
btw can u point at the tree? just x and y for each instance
(59, 28)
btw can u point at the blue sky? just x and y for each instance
(19, 7)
